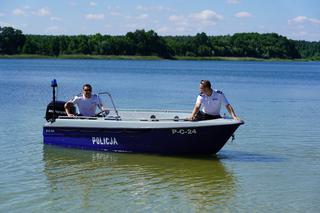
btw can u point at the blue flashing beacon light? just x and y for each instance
(54, 85)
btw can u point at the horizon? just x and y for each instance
(295, 20)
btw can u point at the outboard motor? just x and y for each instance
(56, 108)
(59, 110)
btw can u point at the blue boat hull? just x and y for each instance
(199, 140)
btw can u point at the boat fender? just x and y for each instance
(176, 118)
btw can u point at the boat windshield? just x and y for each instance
(107, 101)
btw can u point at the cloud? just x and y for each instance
(98, 16)
(300, 33)
(191, 23)
(243, 15)
(304, 28)
(175, 18)
(19, 12)
(153, 8)
(143, 16)
(6, 24)
(179, 20)
(72, 3)
(92, 3)
(115, 13)
(233, 1)
(53, 18)
(42, 12)
(207, 17)
(300, 20)
(53, 29)
(171, 31)
(163, 30)
(314, 21)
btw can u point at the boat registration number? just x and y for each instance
(184, 131)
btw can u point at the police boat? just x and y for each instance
(136, 131)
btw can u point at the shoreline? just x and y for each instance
(126, 57)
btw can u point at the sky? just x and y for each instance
(295, 19)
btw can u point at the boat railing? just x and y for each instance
(78, 117)
(155, 110)
(175, 118)
(114, 106)
(89, 118)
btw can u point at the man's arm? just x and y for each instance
(195, 111)
(68, 106)
(104, 109)
(101, 106)
(231, 111)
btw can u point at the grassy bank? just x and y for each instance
(102, 57)
(125, 57)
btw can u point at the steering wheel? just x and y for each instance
(103, 113)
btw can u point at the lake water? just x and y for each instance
(273, 165)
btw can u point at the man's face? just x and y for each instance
(204, 90)
(201, 88)
(87, 92)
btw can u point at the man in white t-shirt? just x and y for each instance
(87, 103)
(209, 102)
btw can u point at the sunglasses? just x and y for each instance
(87, 90)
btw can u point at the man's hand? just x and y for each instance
(191, 118)
(237, 118)
(67, 108)
(105, 110)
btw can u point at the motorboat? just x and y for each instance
(137, 131)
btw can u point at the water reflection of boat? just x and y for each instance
(94, 177)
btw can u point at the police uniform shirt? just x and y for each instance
(212, 104)
(87, 106)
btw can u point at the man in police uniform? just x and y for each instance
(87, 103)
(209, 102)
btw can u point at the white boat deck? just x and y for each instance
(140, 119)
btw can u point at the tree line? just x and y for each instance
(149, 43)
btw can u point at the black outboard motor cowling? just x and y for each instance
(59, 110)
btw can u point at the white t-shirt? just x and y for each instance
(212, 104)
(87, 106)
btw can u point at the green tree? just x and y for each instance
(11, 40)
(148, 43)
(141, 42)
(30, 46)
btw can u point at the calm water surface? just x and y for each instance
(272, 166)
